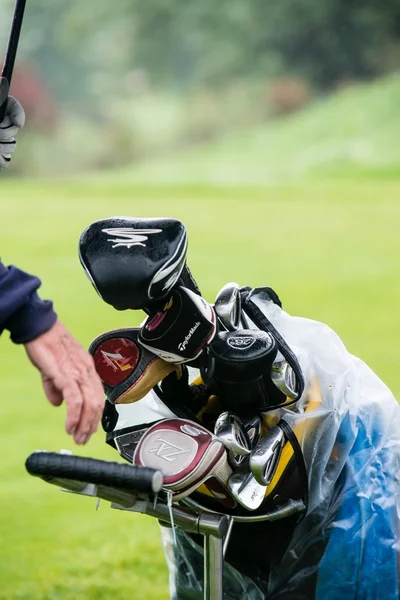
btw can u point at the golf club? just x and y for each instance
(181, 329)
(186, 453)
(284, 377)
(252, 426)
(11, 52)
(245, 489)
(265, 456)
(133, 263)
(232, 433)
(228, 306)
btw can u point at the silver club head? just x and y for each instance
(246, 490)
(252, 426)
(230, 430)
(228, 306)
(284, 378)
(265, 456)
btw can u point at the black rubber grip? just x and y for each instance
(79, 468)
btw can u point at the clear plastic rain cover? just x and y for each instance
(346, 545)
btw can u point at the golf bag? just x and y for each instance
(251, 413)
(345, 542)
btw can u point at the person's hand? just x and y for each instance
(13, 121)
(68, 375)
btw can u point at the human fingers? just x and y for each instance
(13, 121)
(93, 400)
(73, 399)
(15, 112)
(7, 147)
(53, 394)
(4, 160)
(70, 369)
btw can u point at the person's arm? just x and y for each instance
(66, 368)
(22, 312)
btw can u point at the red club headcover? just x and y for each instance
(128, 371)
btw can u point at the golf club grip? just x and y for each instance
(91, 470)
(12, 47)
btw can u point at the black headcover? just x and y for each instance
(132, 262)
(181, 328)
(239, 371)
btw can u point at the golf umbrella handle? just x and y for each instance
(48, 465)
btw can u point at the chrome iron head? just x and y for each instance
(264, 458)
(245, 489)
(284, 377)
(232, 433)
(228, 306)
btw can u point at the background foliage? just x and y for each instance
(106, 84)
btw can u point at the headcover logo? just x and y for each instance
(159, 317)
(115, 359)
(182, 346)
(167, 450)
(171, 281)
(169, 304)
(190, 430)
(128, 237)
(241, 343)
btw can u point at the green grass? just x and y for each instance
(331, 250)
(351, 133)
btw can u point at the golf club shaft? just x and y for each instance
(12, 47)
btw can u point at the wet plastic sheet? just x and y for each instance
(348, 426)
(185, 563)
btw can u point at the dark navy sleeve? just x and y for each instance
(22, 312)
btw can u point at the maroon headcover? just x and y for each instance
(185, 452)
(127, 369)
(115, 359)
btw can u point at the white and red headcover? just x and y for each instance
(185, 452)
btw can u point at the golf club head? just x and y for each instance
(284, 378)
(287, 378)
(264, 458)
(126, 442)
(245, 489)
(133, 263)
(228, 306)
(252, 426)
(128, 371)
(230, 430)
(185, 452)
(181, 329)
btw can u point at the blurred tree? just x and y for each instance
(324, 41)
(85, 48)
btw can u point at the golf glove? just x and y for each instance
(13, 121)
